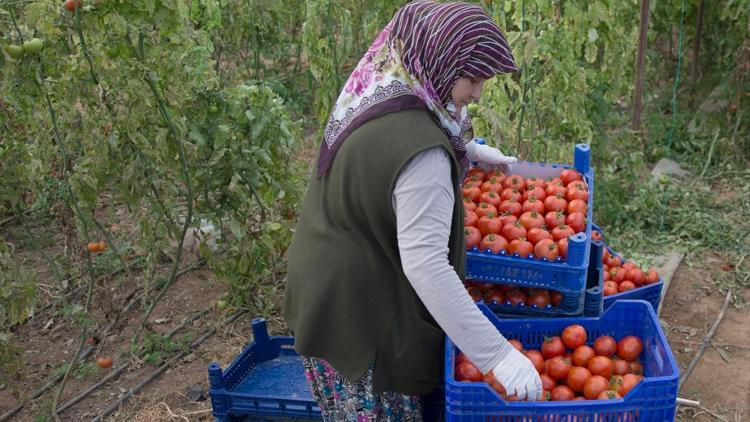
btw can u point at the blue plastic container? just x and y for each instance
(650, 292)
(566, 276)
(267, 382)
(653, 399)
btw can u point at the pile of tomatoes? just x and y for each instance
(530, 217)
(572, 370)
(620, 276)
(512, 295)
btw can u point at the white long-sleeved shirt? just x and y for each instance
(423, 203)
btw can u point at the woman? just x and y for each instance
(375, 266)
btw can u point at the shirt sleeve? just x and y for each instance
(423, 202)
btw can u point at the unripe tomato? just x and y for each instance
(33, 46)
(14, 51)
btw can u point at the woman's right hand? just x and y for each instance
(517, 374)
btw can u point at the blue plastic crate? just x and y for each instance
(650, 292)
(267, 382)
(592, 296)
(566, 276)
(653, 399)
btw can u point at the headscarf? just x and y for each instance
(414, 63)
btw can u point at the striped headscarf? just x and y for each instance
(414, 63)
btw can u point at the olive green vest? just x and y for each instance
(347, 298)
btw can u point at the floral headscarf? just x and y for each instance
(414, 63)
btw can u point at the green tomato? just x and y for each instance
(213, 109)
(14, 51)
(221, 304)
(663, 179)
(473, 108)
(33, 46)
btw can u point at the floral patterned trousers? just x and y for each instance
(344, 401)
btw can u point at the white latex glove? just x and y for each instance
(487, 156)
(517, 374)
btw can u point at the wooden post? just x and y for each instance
(639, 65)
(697, 47)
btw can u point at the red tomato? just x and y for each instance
(577, 221)
(605, 346)
(477, 172)
(469, 205)
(629, 348)
(555, 298)
(569, 175)
(494, 242)
(515, 181)
(548, 383)
(537, 360)
(562, 393)
(470, 218)
(484, 208)
(533, 204)
(614, 261)
(636, 368)
(558, 368)
(521, 246)
(466, 371)
(582, 355)
(511, 206)
(596, 235)
(608, 395)
(635, 275)
(494, 184)
(531, 219)
(601, 365)
(553, 346)
(594, 386)
(516, 344)
(507, 218)
(72, 5)
(578, 184)
(552, 190)
(536, 234)
(472, 192)
(554, 218)
(574, 336)
(555, 203)
(617, 274)
(513, 231)
(496, 296)
(515, 297)
(475, 293)
(577, 378)
(620, 367)
(629, 381)
(472, 236)
(651, 276)
(489, 225)
(562, 246)
(546, 248)
(607, 276)
(577, 205)
(536, 192)
(563, 231)
(554, 181)
(625, 286)
(533, 182)
(540, 298)
(576, 193)
(610, 288)
(490, 197)
(511, 193)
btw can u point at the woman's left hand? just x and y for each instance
(487, 156)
